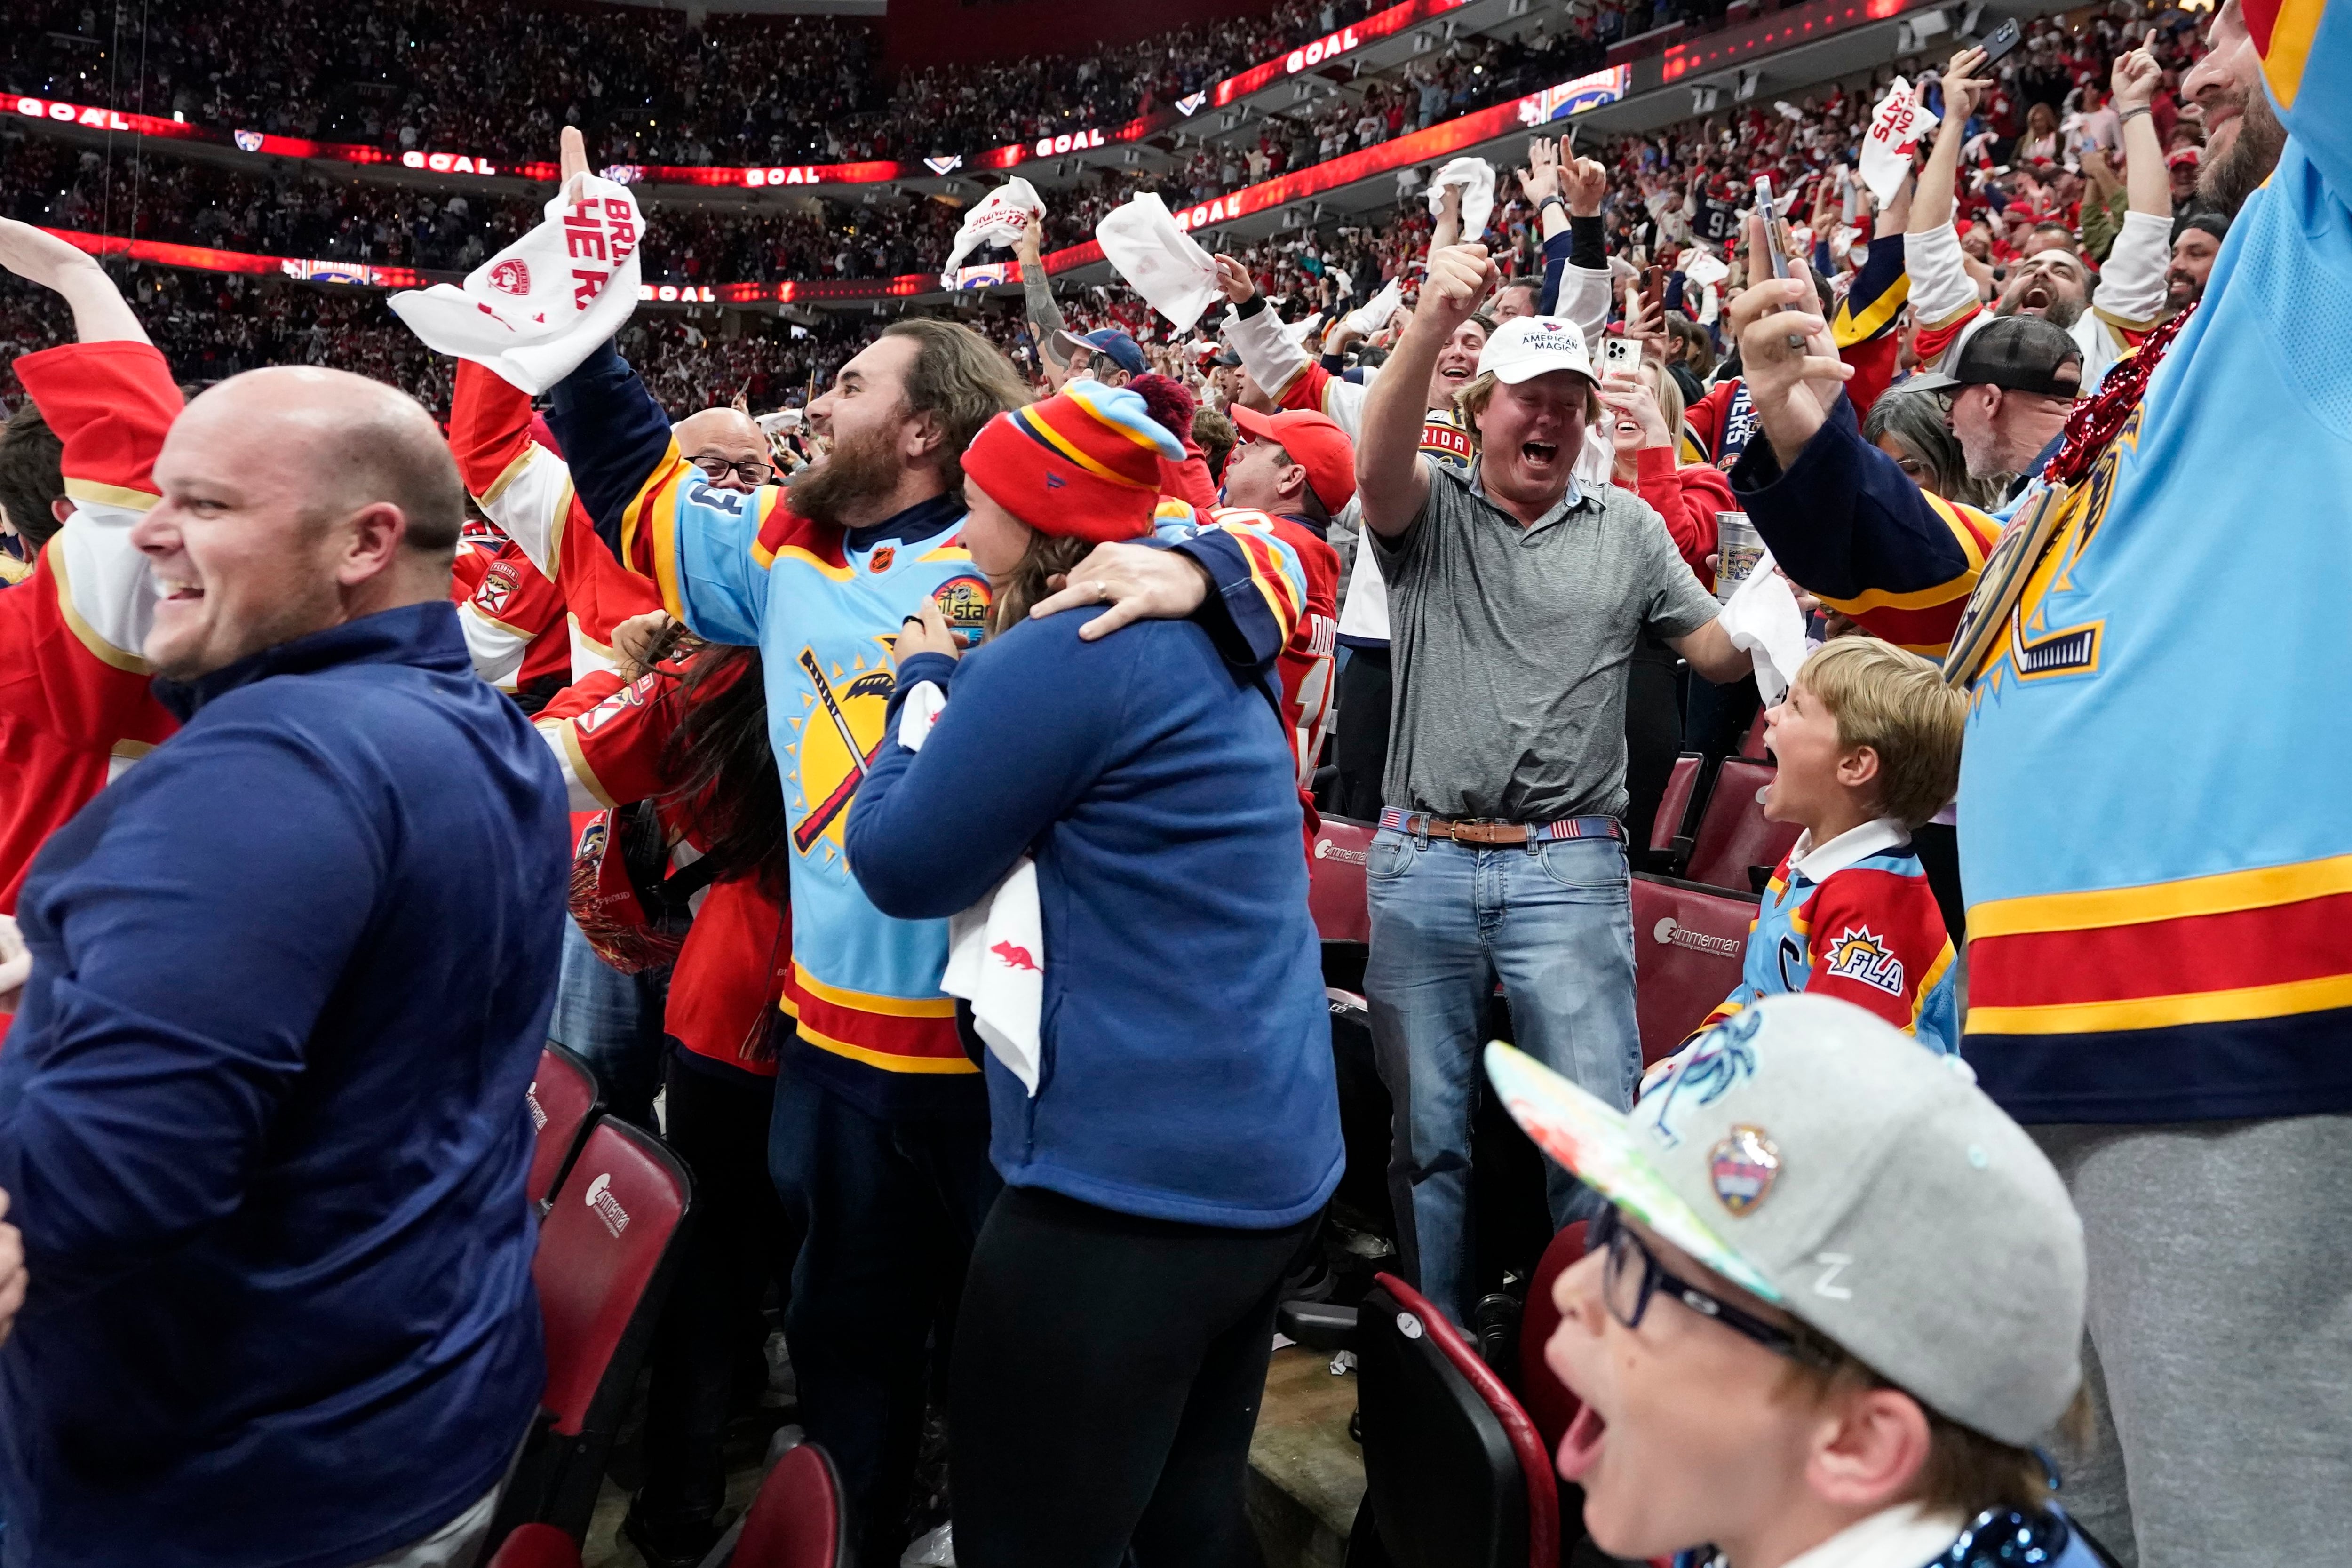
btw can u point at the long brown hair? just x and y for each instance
(1048, 555)
(724, 771)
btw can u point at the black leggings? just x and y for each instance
(1106, 1379)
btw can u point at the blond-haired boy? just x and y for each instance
(1868, 742)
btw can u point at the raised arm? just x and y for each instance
(1037, 296)
(2131, 289)
(1942, 292)
(1391, 481)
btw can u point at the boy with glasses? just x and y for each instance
(1836, 1298)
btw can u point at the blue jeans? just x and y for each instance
(614, 1021)
(1553, 923)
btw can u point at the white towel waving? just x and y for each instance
(1895, 127)
(1159, 260)
(534, 311)
(1371, 317)
(997, 218)
(1762, 617)
(1476, 178)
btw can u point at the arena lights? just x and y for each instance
(1776, 32)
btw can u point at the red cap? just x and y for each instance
(1315, 442)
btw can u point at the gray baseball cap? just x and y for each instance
(1823, 1160)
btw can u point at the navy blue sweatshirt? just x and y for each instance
(262, 1117)
(1186, 1052)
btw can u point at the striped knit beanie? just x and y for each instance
(1084, 463)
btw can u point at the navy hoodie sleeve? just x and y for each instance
(1556, 251)
(930, 831)
(614, 435)
(175, 1034)
(1848, 526)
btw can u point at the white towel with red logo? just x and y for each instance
(537, 309)
(996, 949)
(997, 218)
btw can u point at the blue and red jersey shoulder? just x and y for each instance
(1870, 934)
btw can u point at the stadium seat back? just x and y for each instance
(564, 1099)
(1733, 836)
(1674, 807)
(1548, 1403)
(1688, 943)
(536, 1546)
(607, 1249)
(798, 1519)
(1751, 744)
(1335, 887)
(1455, 1474)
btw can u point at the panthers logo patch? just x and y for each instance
(1857, 954)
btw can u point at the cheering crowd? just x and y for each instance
(892, 756)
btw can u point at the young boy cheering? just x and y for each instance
(1869, 746)
(1837, 1296)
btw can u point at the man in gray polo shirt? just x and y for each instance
(1516, 597)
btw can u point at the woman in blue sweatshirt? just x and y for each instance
(1181, 1132)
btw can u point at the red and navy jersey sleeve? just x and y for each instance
(1849, 527)
(1875, 938)
(608, 737)
(1259, 590)
(617, 440)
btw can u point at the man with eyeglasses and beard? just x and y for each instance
(879, 1141)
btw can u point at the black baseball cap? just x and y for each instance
(2021, 354)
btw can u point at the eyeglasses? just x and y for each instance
(1631, 1276)
(716, 468)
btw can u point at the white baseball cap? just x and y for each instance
(1820, 1159)
(1525, 347)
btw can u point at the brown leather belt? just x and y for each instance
(1489, 834)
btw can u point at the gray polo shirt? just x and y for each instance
(1510, 647)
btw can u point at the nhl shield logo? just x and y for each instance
(1743, 1168)
(511, 276)
(248, 141)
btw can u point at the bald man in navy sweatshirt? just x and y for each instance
(262, 1107)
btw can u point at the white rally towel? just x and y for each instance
(1895, 127)
(1762, 617)
(534, 311)
(997, 218)
(1370, 316)
(1703, 267)
(1476, 178)
(996, 961)
(996, 949)
(1159, 260)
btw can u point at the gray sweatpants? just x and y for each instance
(2220, 1333)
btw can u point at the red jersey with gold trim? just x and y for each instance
(74, 707)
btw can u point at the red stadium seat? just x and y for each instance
(1751, 745)
(564, 1099)
(796, 1521)
(1674, 807)
(1455, 1474)
(1548, 1403)
(606, 1251)
(1733, 838)
(1335, 887)
(536, 1546)
(1688, 943)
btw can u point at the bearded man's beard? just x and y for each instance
(2238, 171)
(2063, 310)
(858, 471)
